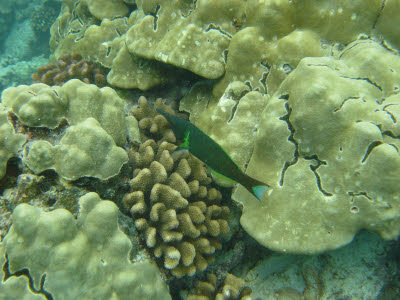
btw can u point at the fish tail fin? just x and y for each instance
(259, 190)
(256, 187)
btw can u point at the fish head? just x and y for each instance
(178, 125)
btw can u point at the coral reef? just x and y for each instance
(10, 143)
(328, 142)
(104, 43)
(233, 288)
(178, 212)
(86, 149)
(44, 15)
(102, 9)
(38, 105)
(14, 72)
(75, 101)
(70, 66)
(228, 120)
(257, 42)
(70, 26)
(151, 123)
(61, 255)
(15, 287)
(92, 144)
(304, 95)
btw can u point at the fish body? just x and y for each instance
(211, 153)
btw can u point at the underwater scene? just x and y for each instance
(199, 149)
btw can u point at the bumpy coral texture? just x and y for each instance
(233, 288)
(92, 143)
(15, 287)
(85, 150)
(107, 9)
(174, 206)
(63, 254)
(38, 105)
(328, 143)
(10, 143)
(43, 16)
(77, 31)
(70, 66)
(258, 42)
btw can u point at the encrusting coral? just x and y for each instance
(10, 143)
(257, 42)
(38, 105)
(328, 141)
(92, 141)
(71, 66)
(233, 288)
(172, 201)
(77, 155)
(68, 258)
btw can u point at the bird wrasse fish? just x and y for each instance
(211, 153)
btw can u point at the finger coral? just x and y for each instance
(70, 66)
(233, 288)
(151, 123)
(178, 212)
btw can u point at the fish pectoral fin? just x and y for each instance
(219, 175)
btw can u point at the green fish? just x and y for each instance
(213, 155)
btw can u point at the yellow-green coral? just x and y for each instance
(40, 105)
(178, 213)
(107, 8)
(192, 37)
(15, 287)
(36, 105)
(174, 207)
(63, 254)
(258, 42)
(90, 146)
(85, 150)
(105, 43)
(328, 142)
(10, 143)
(87, 100)
(233, 288)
